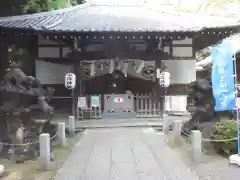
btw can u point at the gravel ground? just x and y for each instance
(212, 166)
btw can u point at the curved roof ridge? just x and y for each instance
(118, 17)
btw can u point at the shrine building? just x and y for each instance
(115, 49)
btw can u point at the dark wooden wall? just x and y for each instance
(100, 85)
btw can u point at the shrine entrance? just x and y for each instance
(120, 96)
(116, 50)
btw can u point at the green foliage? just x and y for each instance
(16, 54)
(203, 53)
(17, 7)
(222, 2)
(188, 10)
(76, 2)
(226, 130)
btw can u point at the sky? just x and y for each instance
(189, 5)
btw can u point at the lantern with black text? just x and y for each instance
(164, 79)
(70, 81)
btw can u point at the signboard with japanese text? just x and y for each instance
(82, 102)
(95, 101)
(223, 80)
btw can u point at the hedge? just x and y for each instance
(225, 130)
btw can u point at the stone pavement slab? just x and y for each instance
(123, 154)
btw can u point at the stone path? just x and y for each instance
(123, 154)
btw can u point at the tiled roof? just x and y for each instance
(100, 17)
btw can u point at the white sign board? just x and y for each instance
(95, 101)
(82, 102)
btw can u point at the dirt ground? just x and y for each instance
(30, 170)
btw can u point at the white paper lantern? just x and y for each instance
(164, 79)
(70, 81)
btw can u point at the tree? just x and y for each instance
(76, 2)
(222, 2)
(10, 52)
(17, 7)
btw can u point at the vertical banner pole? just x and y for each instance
(224, 84)
(237, 108)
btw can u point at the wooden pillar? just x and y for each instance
(157, 87)
(74, 91)
(77, 70)
(160, 91)
(80, 79)
(32, 48)
(3, 55)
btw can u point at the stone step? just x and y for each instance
(117, 123)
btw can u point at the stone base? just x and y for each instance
(234, 159)
(1, 170)
(122, 115)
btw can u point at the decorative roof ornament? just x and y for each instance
(148, 71)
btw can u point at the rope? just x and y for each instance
(219, 140)
(187, 133)
(27, 144)
(184, 132)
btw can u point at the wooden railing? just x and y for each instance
(145, 106)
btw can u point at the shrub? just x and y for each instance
(225, 130)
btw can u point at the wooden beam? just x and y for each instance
(204, 41)
(177, 89)
(32, 49)
(131, 54)
(3, 56)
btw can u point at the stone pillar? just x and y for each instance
(71, 125)
(177, 129)
(45, 154)
(196, 143)
(61, 134)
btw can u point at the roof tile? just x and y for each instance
(92, 17)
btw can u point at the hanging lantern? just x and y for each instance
(70, 81)
(164, 79)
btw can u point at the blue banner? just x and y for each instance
(223, 81)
